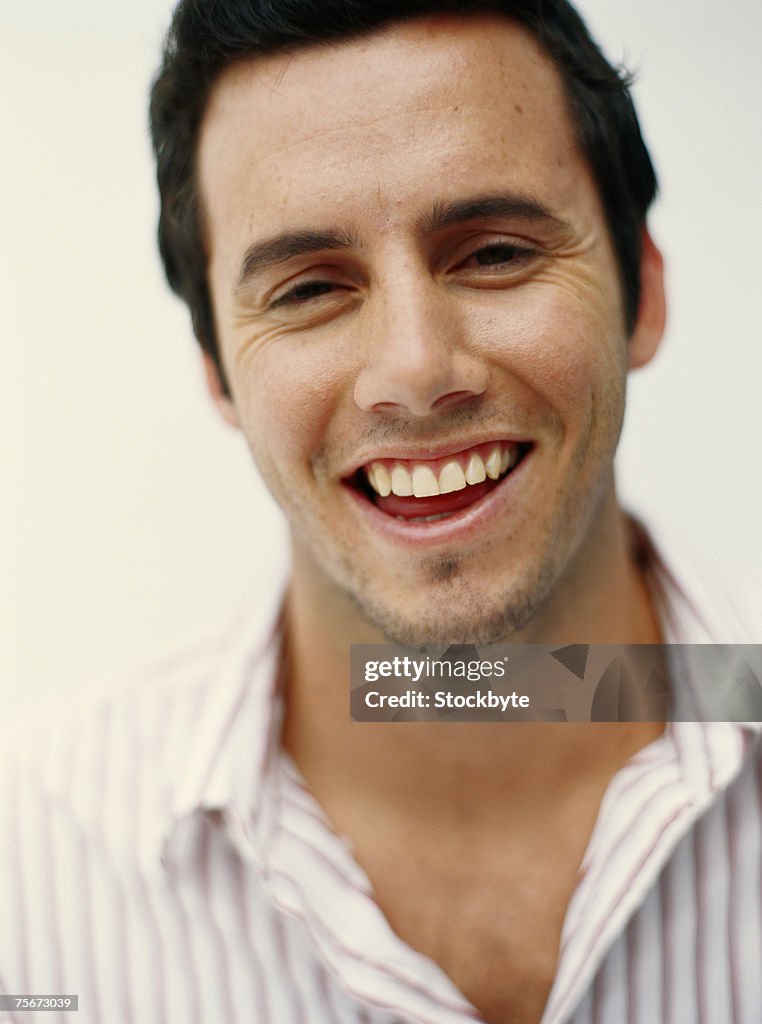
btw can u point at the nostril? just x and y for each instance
(453, 397)
(387, 407)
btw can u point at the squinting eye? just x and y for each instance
(304, 291)
(494, 255)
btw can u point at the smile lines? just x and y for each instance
(424, 479)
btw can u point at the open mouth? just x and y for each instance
(428, 490)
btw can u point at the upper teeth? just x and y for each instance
(421, 480)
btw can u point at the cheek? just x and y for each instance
(568, 351)
(286, 399)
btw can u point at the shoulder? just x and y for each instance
(107, 763)
(88, 791)
(67, 758)
(84, 792)
(136, 721)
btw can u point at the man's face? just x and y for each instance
(411, 275)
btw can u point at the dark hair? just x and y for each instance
(206, 36)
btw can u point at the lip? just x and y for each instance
(417, 453)
(458, 527)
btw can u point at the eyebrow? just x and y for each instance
(445, 215)
(272, 251)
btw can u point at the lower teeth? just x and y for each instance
(425, 519)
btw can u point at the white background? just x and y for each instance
(128, 513)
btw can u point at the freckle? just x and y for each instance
(518, 109)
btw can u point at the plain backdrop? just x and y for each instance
(130, 515)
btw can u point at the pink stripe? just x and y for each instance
(93, 771)
(667, 958)
(56, 981)
(634, 956)
(181, 943)
(281, 945)
(744, 806)
(701, 923)
(308, 811)
(327, 994)
(596, 1009)
(90, 997)
(709, 756)
(147, 915)
(20, 984)
(240, 908)
(334, 869)
(733, 824)
(213, 931)
(117, 925)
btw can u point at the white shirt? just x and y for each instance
(163, 860)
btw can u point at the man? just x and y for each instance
(413, 241)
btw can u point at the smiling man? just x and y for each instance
(455, 355)
(413, 241)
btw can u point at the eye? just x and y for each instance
(499, 254)
(303, 292)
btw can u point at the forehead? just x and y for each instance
(369, 127)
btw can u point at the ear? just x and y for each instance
(652, 311)
(224, 403)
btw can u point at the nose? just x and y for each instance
(417, 358)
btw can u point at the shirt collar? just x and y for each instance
(695, 605)
(235, 730)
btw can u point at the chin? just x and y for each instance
(457, 612)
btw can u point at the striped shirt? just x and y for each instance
(163, 860)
